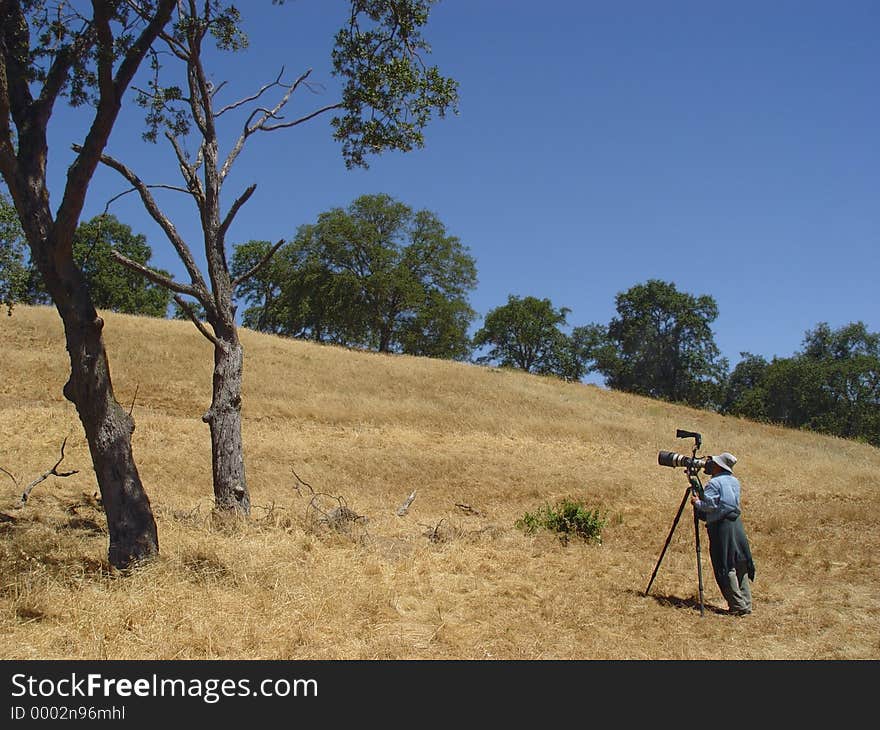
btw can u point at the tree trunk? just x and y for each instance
(108, 428)
(224, 420)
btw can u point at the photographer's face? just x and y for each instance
(710, 467)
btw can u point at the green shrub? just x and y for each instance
(566, 518)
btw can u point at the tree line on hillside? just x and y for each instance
(380, 276)
(661, 345)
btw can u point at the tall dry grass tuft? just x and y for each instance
(453, 578)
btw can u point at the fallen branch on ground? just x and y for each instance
(433, 533)
(468, 509)
(404, 508)
(53, 472)
(340, 518)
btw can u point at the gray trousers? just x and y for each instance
(737, 590)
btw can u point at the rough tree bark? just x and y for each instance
(224, 421)
(23, 156)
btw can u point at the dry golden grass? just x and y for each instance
(371, 429)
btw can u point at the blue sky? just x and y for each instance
(730, 148)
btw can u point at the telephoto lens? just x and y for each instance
(670, 458)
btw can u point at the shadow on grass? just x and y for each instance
(677, 602)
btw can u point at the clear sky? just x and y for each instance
(730, 148)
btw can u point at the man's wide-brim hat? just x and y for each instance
(725, 460)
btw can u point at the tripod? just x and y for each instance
(694, 487)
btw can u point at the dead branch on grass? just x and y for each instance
(320, 512)
(467, 509)
(301, 482)
(134, 398)
(53, 472)
(404, 508)
(433, 534)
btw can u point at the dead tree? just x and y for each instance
(36, 69)
(204, 175)
(388, 96)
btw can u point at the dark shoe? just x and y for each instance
(740, 611)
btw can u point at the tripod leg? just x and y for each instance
(668, 538)
(699, 562)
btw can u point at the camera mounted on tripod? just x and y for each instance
(692, 464)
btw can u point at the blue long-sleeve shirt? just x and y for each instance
(720, 498)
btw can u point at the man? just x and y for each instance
(728, 545)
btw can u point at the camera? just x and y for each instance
(670, 458)
(692, 463)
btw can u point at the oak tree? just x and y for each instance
(661, 345)
(377, 275)
(51, 51)
(527, 333)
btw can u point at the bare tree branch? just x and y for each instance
(160, 279)
(10, 475)
(404, 508)
(285, 125)
(134, 190)
(267, 115)
(233, 211)
(174, 46)
(216, 90)
(167, 226)
(189, 312)
(433, 533)
(188, 170)
(252, 97)
(134, 398)
(304, 483)
(200, 87)
(45, 475)
(256, 267)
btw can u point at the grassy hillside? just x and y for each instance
(445, 580)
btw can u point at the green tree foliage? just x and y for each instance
(264, 289)
(389, 93)
(112, 285)
(743, 392)
(14, 271)
(832, 385)
(377, 275)
(661, 345)
(527, 334)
